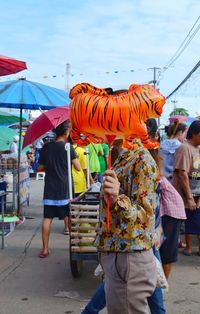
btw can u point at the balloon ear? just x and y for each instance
(133, 87)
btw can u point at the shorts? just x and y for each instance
(169, 248)
(192, 224)
(56, 211)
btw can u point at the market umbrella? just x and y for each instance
(8, 119)
(23, 94)
(10, 65)
(44, 123)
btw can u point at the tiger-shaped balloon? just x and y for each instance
(96, 113)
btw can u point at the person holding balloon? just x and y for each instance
(126, 232)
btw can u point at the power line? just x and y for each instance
(185, 79)
(185, 43)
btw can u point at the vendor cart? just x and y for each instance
(84, 214)
(9, 175)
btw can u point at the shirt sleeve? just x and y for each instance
(147, 177)
(13, 148)
(182, 159)
(83, 160)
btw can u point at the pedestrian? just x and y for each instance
(14, 146)
(186, 180)
(30, 161)
(103, 161)
(168, 147)
(53, 160)
(94, 151)
(80, 176)
(172, 215)
(127, 247)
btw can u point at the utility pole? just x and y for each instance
(174, 102)
(155, 82)
(67, 77)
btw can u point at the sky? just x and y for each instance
(110, 43)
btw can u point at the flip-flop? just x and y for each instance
(66, 232)
(43, 255)
(186, 253)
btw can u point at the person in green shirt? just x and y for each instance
(103, 161)
(94, 151)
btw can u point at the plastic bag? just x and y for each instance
(98, 271)
(95, 187)
(161, 279)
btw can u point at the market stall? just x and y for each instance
(9, 181)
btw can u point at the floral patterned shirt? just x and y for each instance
(132, 220)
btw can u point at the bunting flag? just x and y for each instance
(73, 74)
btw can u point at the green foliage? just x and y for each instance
(179, 112)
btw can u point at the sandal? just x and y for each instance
(66, 232)
(186, 253)
(181, 245)
(43, 255)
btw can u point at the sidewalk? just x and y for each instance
(32, 285)
(18, 242)
(45, 286)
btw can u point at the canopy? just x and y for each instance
(31, 95)
(8, 119)
(25, 94)
(11, 66)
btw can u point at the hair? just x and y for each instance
(109, 90)
(174, 128)
(193, 129)
(116, 149)
(62, 128)
(152, 127)
(120, 91)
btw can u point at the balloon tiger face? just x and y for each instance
(96, 113)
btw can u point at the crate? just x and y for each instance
(8, 227)
(9, 224)
(84, 216)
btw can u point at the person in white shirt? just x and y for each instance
(14, 145)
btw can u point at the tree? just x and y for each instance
(179, 112)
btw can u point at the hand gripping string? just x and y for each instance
(110, 139)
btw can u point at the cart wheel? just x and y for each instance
(76, 268)
(76, 265)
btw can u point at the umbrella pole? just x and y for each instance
(88, 167)
(18, 164)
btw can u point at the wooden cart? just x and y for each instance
(84, 214)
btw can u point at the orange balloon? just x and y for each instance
(96, 113)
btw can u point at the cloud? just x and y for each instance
(100, 36)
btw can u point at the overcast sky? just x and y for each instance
(107, 42)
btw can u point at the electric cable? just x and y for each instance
(185, 43)
(185, 79)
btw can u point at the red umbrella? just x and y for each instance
(45, 122)
(10, 65)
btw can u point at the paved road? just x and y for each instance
(36, 286)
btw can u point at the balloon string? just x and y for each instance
(110, 139)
